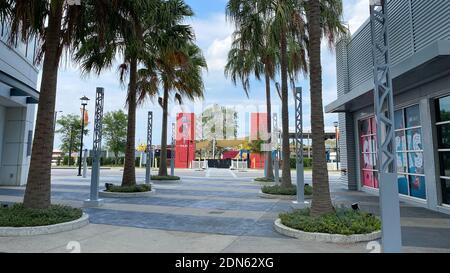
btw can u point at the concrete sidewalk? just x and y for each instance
(219, 213)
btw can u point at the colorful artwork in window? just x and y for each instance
(401, 163)
(400, 141)
(415, 162)
(368, 180)
(414, 139)
(417, 186)
(403, 184)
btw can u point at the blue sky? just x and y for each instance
(213, 35)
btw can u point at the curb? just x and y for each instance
(281, 197)
(44, 230)
(106, 194)
(164, 182)
(324, 237)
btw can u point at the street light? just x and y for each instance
(84, 102)
(336, 125)
(56, 118)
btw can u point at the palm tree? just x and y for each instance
(125, 37)
(323, 20)
(172, 69)
(284, 34)
(252, 52)
(54, 23)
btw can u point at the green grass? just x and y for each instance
(264, 179)
(130, 189)
(278, 190)
(344, 221)
(165, 178)
(19, 216)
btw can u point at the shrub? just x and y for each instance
(130, 189)
(344, 221)
(307, 163)
(264, 179)
(19, 216)
(165, 178)
(278, 190)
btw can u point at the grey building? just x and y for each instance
(420, 55)
(18, 98)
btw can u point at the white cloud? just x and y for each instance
(217, 54)
(356, 13)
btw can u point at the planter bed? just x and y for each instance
(29, 222)
(141, 190)
(341, 226)
(165, 178)
(325, 237)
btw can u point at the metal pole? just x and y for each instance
(300, 203)
(384, 113)
(337, 147)
(96, 150)
(70, 145)
(172, 153)
(276, 163)
(148, 167)
(214, 148)
(85, 163)
(81, 144)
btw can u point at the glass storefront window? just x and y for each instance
(403, 184)
(445, 163)
(400, 141)
(443, 140)
(414, 139)
(445, 191)
(443, 109)
(401, 163)
(399, 120)
(443, 134)
(412, 115)
(415, 163)
(417, 186)
(408, 144)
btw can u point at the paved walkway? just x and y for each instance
(212, 211)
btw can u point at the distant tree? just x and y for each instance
(115, 132)
(255, 146)
(70, 132)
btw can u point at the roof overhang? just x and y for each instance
(19, 88)
(431, 63)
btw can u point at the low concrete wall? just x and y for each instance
(106, 194)
(44, 230)
(324, 237)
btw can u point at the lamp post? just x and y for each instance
(56, 118)
(84, 102)
(172, 152)
(336, 125)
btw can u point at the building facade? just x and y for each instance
(419, 38)
(18, 98)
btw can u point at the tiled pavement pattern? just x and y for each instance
(212, 211)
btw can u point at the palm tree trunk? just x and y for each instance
(321, 203)
(38, 190)
(129, 171)
(269, 128)
(163, 164)
(286, 181)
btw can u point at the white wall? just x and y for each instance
(15, 164)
